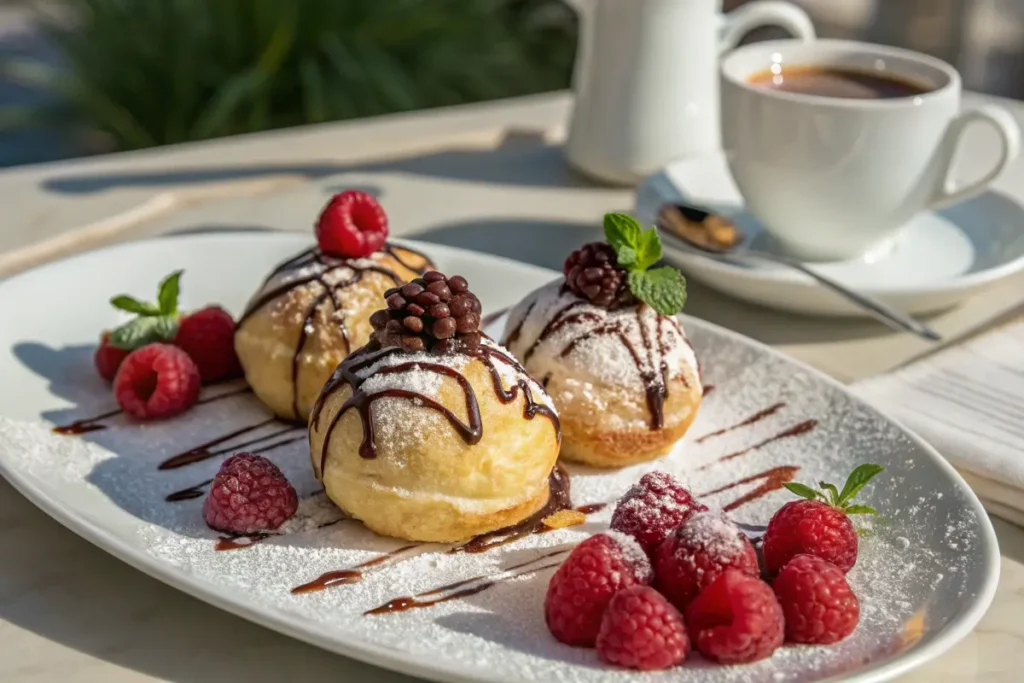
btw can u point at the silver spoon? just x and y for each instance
(718, 238)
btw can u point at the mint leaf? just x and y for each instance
(168, 293)
(663, 289)
(860, 510)
(621, 230)
(803, 491)
(626, 256)
(857, 480)
(145, 330)
(833, 492)
(133, 305)
(648, 249)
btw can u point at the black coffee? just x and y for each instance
(835, 82)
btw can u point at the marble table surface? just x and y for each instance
(488, 177)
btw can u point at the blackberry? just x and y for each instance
(432, 313)
(592, 272)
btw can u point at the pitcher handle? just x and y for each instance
(743, 20)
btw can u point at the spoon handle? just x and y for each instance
(897, 320)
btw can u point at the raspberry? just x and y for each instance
(642, 630)
(208, 337)
(157, 381)
(352, 225)
(652, 508)
(433, 312)
(701, 549)
(249, 495)
(811, 527)
(819, 606)
(108, 358)
(592, 272)
(735, 619)
(579, 591)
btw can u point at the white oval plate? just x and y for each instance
(924, 578)
(941, 258)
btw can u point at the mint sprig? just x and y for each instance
(154, 322)
(842, 500)
(636, 250)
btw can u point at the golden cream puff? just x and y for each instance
(622, 375)
(314, 309)
(432, 431)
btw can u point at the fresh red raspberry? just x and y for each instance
(642, 630)
(652, 508)
(819, 605)
(698, 551)
(249, 495)
(108, 358)
(579, 591)
(208, 337)
(735, 619)
(352, 225)
(157, 381)
(811, 527)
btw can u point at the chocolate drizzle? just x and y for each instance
(466, 587)
(471, 430)
(650, 360)
(203, 451)
(559, 498)
(95, 423)
(756, 417)
(355, 574)
(189, 493)
(771, 480)
(795, 430)
(320, 266)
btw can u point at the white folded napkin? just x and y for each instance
(968, 402)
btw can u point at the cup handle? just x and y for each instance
(1009, 132)
(744, 19)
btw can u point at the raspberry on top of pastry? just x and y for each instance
(314, 308)
(606, 345)
(432, 431)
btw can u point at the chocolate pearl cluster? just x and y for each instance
(592, 272)
(432, 313)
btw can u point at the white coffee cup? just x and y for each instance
(835, 178)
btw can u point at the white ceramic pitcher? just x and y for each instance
(646, 79)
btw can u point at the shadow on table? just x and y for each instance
(524, 158)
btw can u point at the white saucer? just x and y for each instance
(940, 259)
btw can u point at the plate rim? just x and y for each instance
(364, 650)
(787, 277)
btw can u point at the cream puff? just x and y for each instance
(623, 376)
(432, 431)
(314, 309)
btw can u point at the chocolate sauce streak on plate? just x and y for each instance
(559, 498)
(591, 508)
(188, 493)
(771, 480)
(416, 601)
(491, 317)
(756, 417)
(351, 575)
(708, 388)
(203, 452)
(795, 430)
(94, 424)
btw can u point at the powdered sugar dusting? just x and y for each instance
(927, 555)
(632, 553)
(558, 333)
(713, 534)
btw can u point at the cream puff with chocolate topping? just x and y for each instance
(432, 431)
(606, 345)
(314, 309)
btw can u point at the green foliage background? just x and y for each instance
(152, 72)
